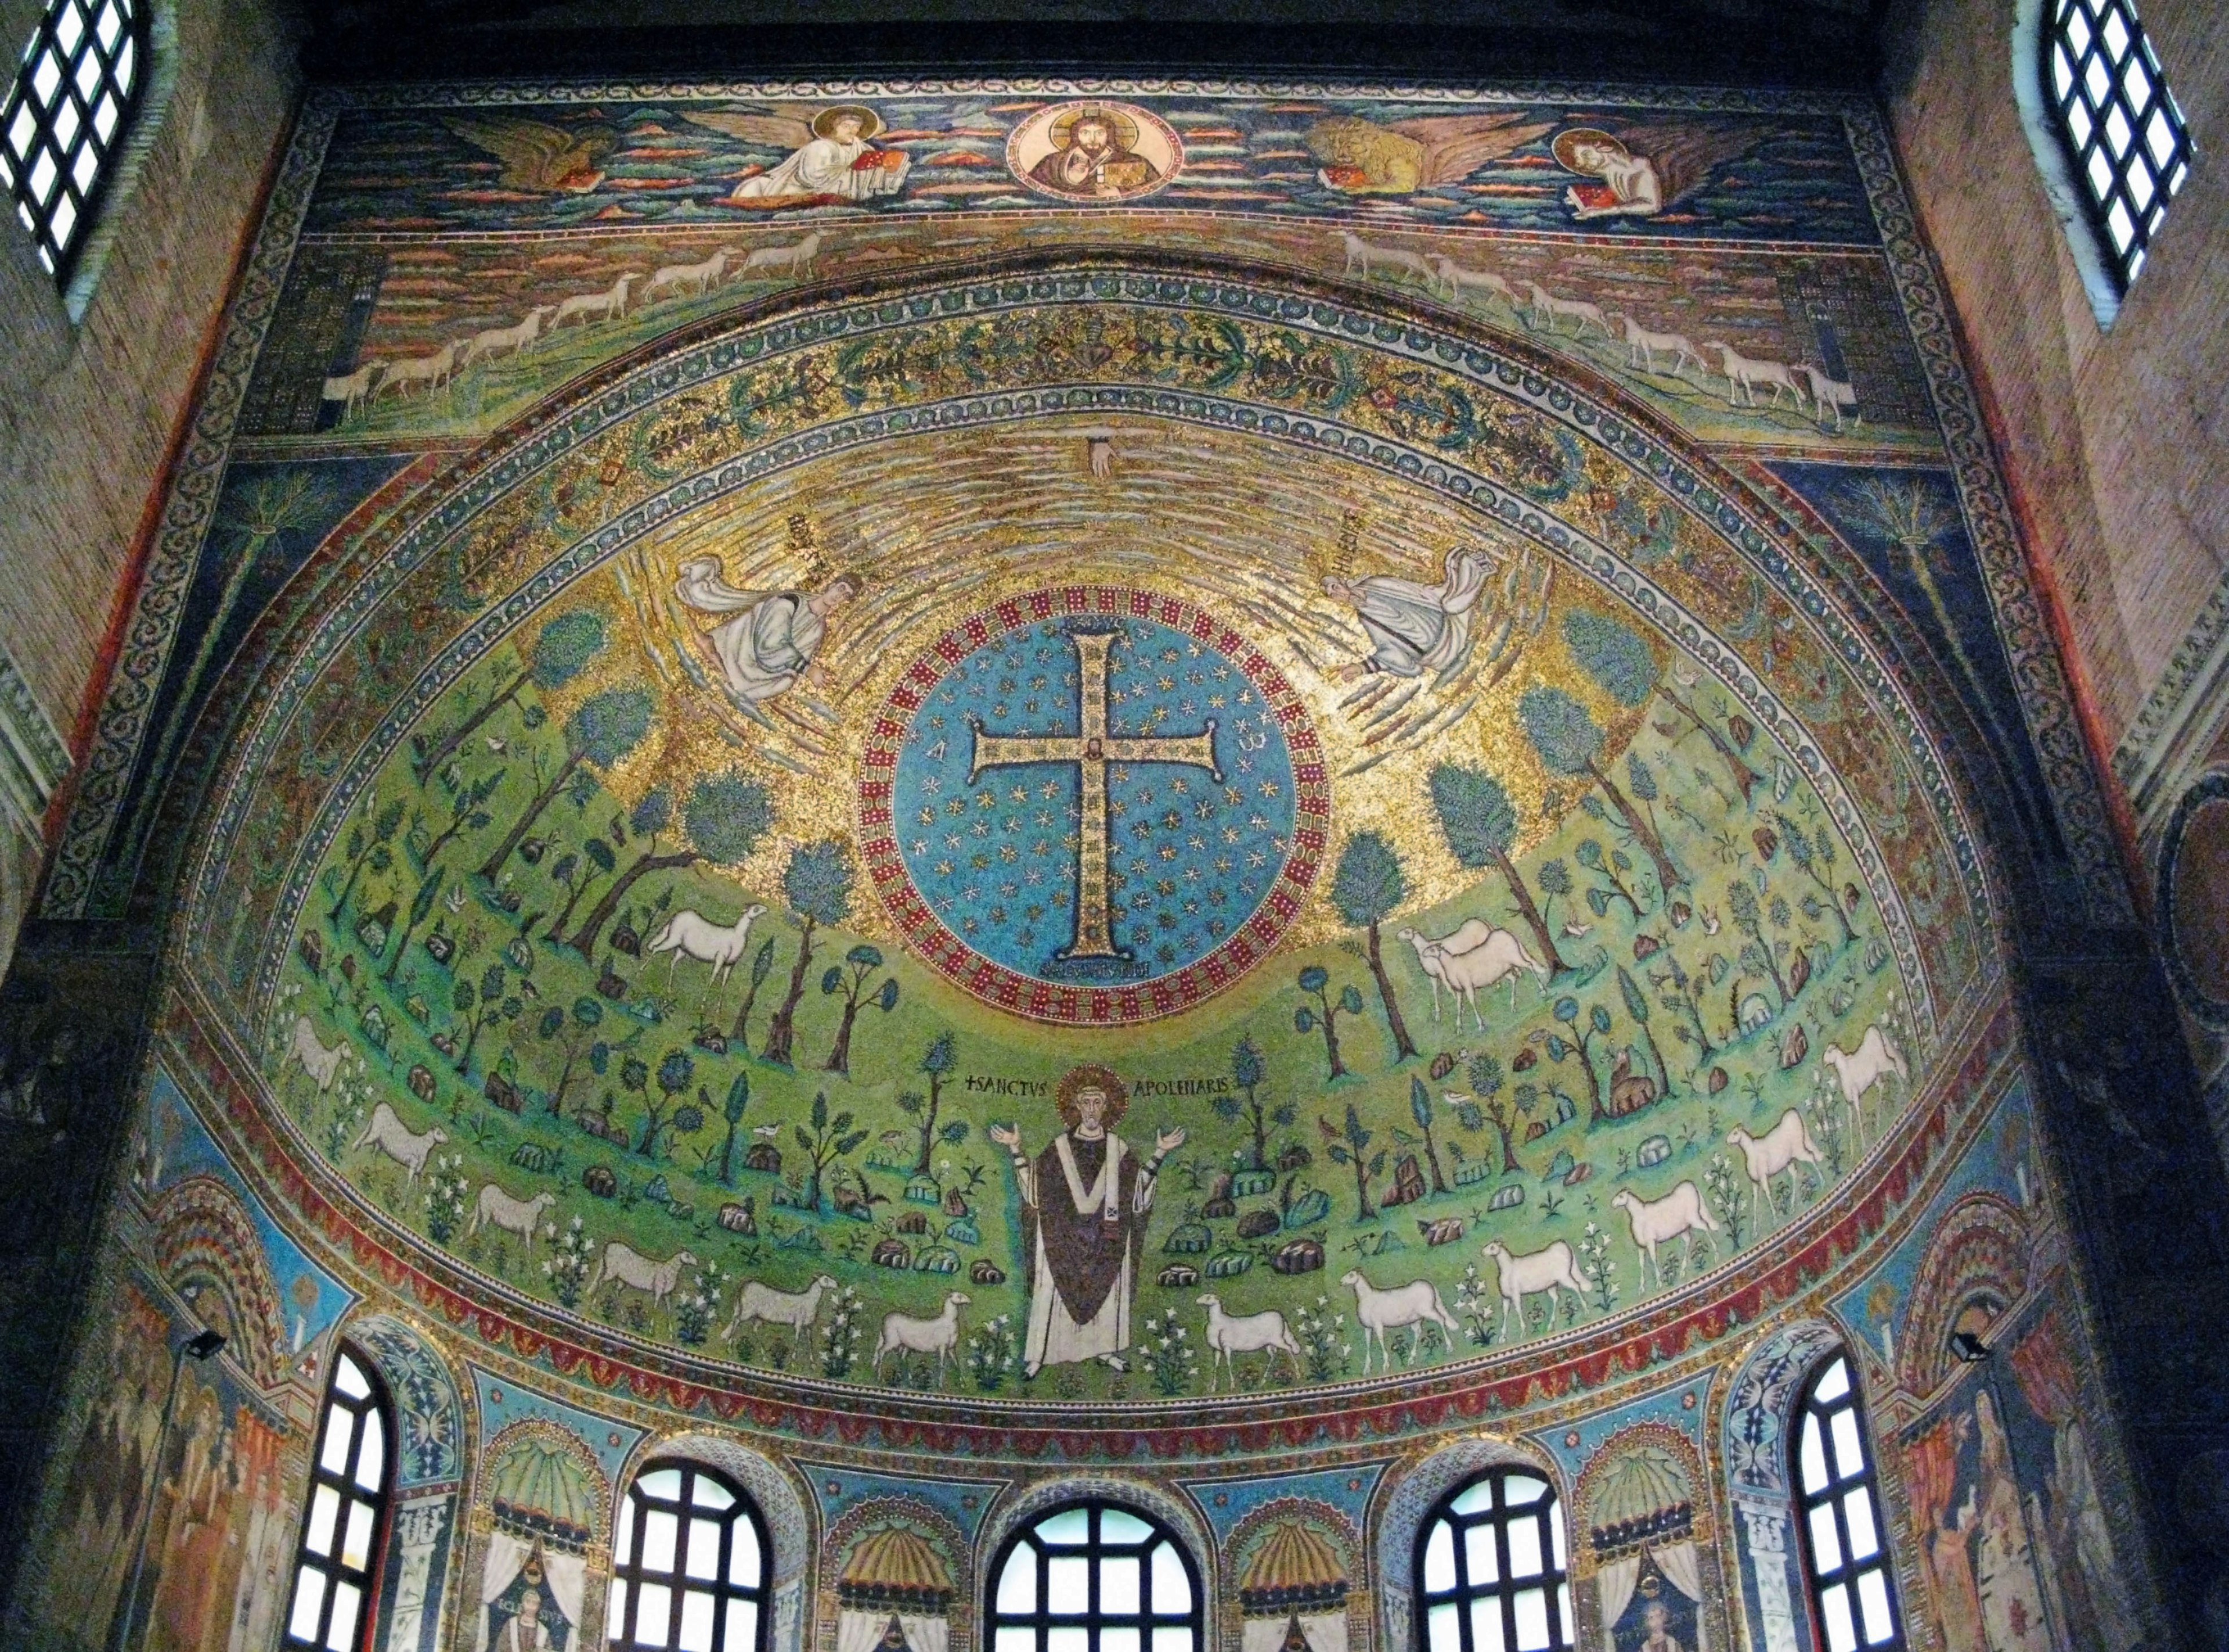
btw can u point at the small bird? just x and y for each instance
(1575, 931)
(454, 900)
(1686, 676)
(1710, 922)
(496, 742)
(768, 1131)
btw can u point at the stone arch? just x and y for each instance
(207, 1250)
(538, 1486)
(1753, 1434)
(1670, 1525)
(923, 1521)
(1020, 1504)
(1976, 1259)
(783, 1504)
(1406, 1496)
(1324, 1520)
(425, 1541)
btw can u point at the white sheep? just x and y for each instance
(1361, 255)
(690, 933)
(1550, 1269)
(795, 1308)
(1379, 1311)
(1860, 1069)
(1546, 307)
(1786, 1145)
(627, 1266)
(677, 276)
(1474, 956)
(791, 261)
(322, 1065)
(1229, 1334)
(431, 371)
(1655, 1221)
(903, 1333)
(610, 305)
(391, 1136)
(498, 1209)
(349, 388)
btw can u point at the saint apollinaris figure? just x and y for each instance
(1085, 1200)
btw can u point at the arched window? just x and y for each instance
(345, 1530)
(2124, 136)
(1493, 1572)
(1091, 1577)
(689, 1564)
(1845, 1547)
(74, 95)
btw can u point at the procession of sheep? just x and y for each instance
(370, 380)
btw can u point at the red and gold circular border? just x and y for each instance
(1006, 989)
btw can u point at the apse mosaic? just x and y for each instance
(1334, 927)
(1073, 747)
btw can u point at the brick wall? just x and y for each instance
(89, 408)
(2115, 440)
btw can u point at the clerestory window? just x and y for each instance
(74, 95)
(345, 1528)
(1844, 1551)
(2124, 136)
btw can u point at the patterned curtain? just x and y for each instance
(2046, 1379)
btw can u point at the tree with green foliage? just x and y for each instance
(1316, 980)
(761, 966)
(721, 822)
(829, 1140)
(1682, 994)
(1613, 867)
(1578, 1041)
(603, 860)
(1367, 888)
(370, 832)
(1621, 663)
(861, 961)
(1505, 1114)
(1636, 1005)
(1351, 1148)
(561, 652)
(1815, 856)
(817, 884)
(1420, 1108)
(739, 1097)
(1479, 824)
(467, 813)
(1757, 955)
(937, 1061)
(674, 1073)
(1569, 743)
(575, 1035)
(482, 1008)
(1248, 1070)
(603, 729)
(1555, 880)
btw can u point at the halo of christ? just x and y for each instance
(1093, 805)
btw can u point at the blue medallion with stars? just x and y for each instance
(1090, 799)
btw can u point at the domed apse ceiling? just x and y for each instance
(724, 867)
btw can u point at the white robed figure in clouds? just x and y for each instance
(830, 156)
(772, 643)
(1413, 628)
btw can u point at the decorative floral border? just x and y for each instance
(1040, 1000)
(2070, 770)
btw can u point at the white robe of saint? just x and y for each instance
(766, 647)
(825, 166)
(1417, 628)
(1055, 1336)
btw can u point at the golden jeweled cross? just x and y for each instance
(1091, 749)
